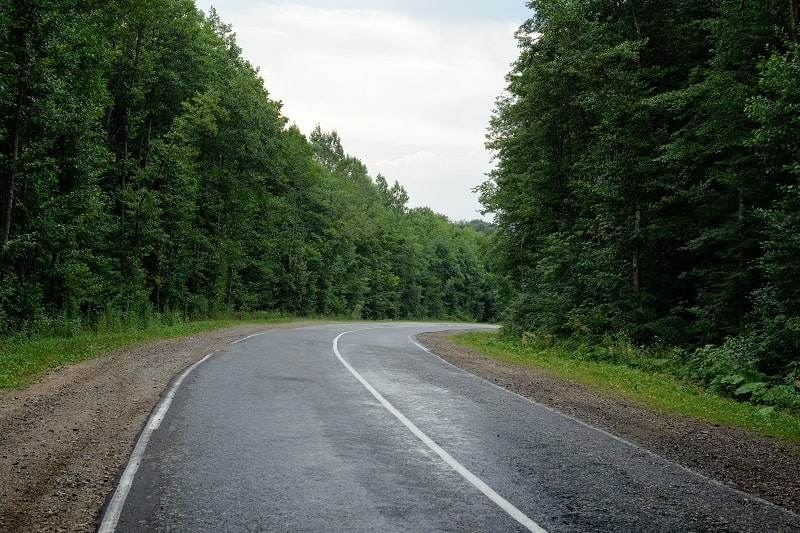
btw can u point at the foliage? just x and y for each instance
(146, 172)
(647, 181)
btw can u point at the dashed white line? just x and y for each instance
(477, 482)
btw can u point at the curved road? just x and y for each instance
(354, 427)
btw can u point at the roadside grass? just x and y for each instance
(25, 360)
(649, 388)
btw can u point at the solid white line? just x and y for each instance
(477, 482)
(543, 406)
(249, 337)
(114, 509)
(617, 438)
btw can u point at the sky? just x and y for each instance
(409, 85)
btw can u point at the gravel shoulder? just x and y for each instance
(766, 467)
(65, 439)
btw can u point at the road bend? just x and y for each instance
(354, 427)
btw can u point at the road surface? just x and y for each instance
(354, 427)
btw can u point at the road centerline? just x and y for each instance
(477, 482)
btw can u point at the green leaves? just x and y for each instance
(144, 168)
(647, 175)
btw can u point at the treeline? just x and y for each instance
(144, 168)
(647, 184)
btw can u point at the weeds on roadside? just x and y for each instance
(50, 343)
(657, 377)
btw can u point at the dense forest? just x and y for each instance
(647, 182)
(145, 170)
(646, 187)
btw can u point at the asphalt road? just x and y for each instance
(354, 427)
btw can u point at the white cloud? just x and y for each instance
(409, 97)
(440, 178)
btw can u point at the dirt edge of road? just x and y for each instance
(766, 467)
(65, 439)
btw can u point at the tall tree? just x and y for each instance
(722, 183)
(579, 191)
(776, 111)
(51, 154)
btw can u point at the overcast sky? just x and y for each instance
(409, 84)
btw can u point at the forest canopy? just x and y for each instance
(144, 168)
(647, 184)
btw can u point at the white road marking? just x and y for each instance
(114, 509)
(543, 406)
(477, 482)
(249, 337)
(745, 495)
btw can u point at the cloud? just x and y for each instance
(411, 97)
(441, 175)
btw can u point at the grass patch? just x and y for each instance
(23, 361)
(644, 387)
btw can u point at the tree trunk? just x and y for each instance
(126, 118)
(637, 226)
(123, 174)
(741, 256)
(636, 19)
(12, 176)
(144, 147)
(229, 295)
(637, 197)
(157, 284)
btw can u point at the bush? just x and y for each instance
(732, 370)
(718, 364)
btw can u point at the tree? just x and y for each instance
(393, 198)
(776, 321)
(51, 154)
(722, 184)
(580, 192)
(144, 168)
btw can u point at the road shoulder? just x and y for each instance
(765, 467)
(65, 439)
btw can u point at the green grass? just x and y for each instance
(652, 389)
(23, 361)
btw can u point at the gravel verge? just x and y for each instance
(762, 466)
(65, 439)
